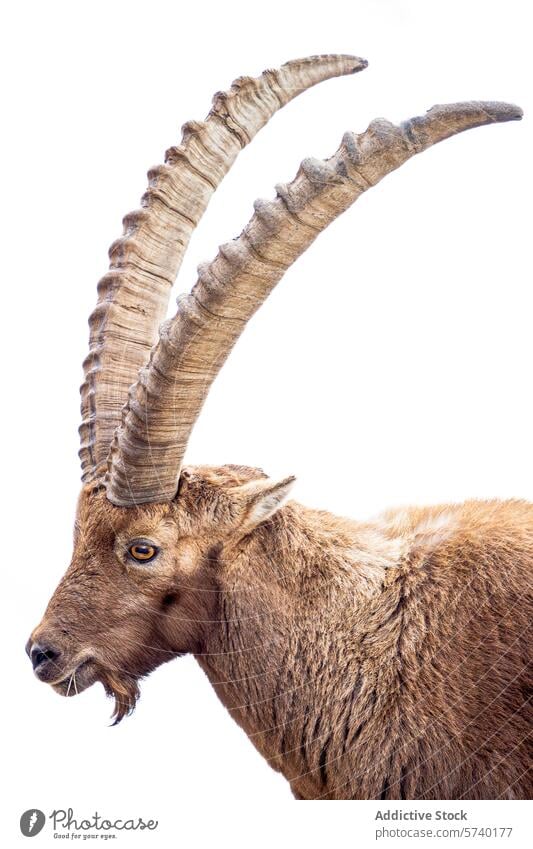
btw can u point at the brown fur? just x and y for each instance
(385, 659)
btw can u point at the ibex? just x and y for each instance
(383, 659)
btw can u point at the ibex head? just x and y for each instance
(150, 535)
(142, 585)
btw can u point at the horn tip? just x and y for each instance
(490, 110)
(353, 64)
(327, 65)
(501, 111)
(359, 64)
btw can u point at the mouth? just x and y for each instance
(78, 680)
(124, 689)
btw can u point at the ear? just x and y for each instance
(262, 498)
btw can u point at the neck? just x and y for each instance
(285, 654)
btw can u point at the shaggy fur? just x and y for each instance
(377, 660)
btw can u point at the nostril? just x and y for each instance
(40, 654)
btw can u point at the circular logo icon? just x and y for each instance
(32, 822)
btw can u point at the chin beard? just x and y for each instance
(125, 691)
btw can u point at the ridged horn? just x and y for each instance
(134, 294)
(147, 453)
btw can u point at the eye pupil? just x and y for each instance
(142, 551)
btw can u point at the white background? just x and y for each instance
(392, 365)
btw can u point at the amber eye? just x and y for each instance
(143, 551)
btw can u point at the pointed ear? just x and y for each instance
(261, 499)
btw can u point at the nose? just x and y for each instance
(43, 656)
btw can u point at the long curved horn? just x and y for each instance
(147, 453)
(134, 294)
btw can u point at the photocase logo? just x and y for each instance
(32, 822)
(65, 823)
